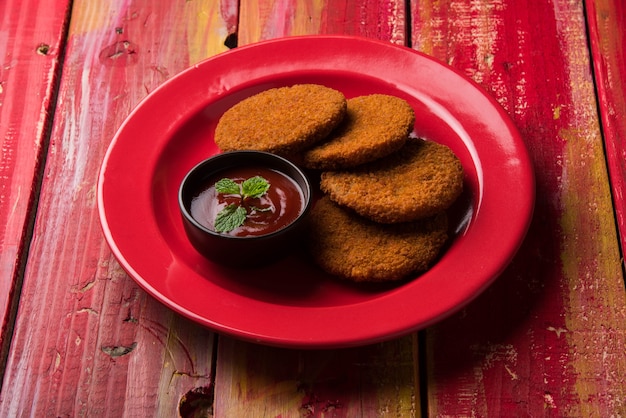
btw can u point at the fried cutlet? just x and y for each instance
(281, 120)
(374, 126)
(420, 180)
(347, 245)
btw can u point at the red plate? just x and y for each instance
(293, 303)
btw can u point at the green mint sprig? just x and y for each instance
(234, 215)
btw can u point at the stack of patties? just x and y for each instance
(383, 216)
(383, 213)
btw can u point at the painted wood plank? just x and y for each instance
(376, 19)
(30, 46)
(379, 380)
(548, 338)
(374, 381)
(537, 354)
(607, 36)
(87, 340)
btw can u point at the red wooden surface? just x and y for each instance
(528, 346)
(87, 341)
(377, 380)
(30, 46)
(547, 339)
(606, 20)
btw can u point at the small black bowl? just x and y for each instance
(242, 251)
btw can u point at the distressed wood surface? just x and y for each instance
(30, 46)
(607, 36)
(379, 380)
(375, 19)
(547, 339)
(87, 340)
(373, 381)
(530, 345)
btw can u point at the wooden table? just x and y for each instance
(79, 337)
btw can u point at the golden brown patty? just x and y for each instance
(352, 247)
(420, 180)
(374, 127)
(281, 120)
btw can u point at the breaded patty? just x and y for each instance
(281, 120)
(420, 180)
(347, 245)
(375, 126)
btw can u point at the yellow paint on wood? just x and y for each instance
(87, 16)
(589, 251)
(397, 381)
(206, 30)
(378, 380)
(278, 18)
(429, 33)
(593, 276)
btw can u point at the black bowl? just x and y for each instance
(242, 251)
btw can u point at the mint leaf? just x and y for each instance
(255, 187)
(234, 215)
(229, 218)
(227, 186)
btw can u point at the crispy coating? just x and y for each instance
(374, 127)
(347, 245)
(281, 120)
(420, 180)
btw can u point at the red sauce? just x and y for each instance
(284, 200)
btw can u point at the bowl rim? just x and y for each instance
(307, 192)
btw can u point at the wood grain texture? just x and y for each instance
(379, 380)
(30, 46)
(87, 340)
(607, 36)
(373, 381)
(268, 19)
(548, 338)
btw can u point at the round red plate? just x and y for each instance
(293, 303)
